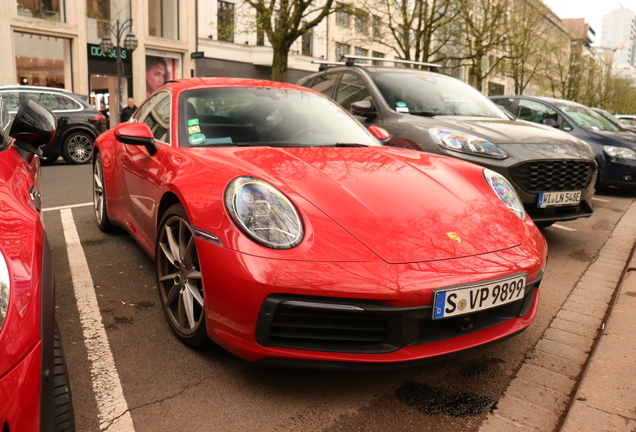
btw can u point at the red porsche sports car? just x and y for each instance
(283, 231)
(34, 389)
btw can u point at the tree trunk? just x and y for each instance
(279, 64)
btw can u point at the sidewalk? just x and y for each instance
(581, 374)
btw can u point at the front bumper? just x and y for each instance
(243, 294)
(20, 395)
(616, 172)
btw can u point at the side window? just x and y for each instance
(324, 84)
(535, 112)
(47, 99)
(66, 103)
(142, 112)
(11, 100)
(505, 103)
(351, 89)
(158, 116)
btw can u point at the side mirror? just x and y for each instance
(5, 126)
(363, 108)
(380, 133)
(33, 126)
(550, 122)
(136, 134)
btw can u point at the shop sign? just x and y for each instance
(96, 53)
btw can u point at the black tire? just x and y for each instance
(77, 148)
(63, 402)
(99, 196)
(179, 279)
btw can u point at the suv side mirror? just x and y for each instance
(136, 134)
(5, 126)
(363, 108)
(33, 126)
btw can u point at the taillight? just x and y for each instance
(100, 117)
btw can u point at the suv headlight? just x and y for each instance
(263, 213)
(505, 192)
(463, 143)
(5, 289)
(620, 152)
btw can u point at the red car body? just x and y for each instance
(378, 241)
(31, 365)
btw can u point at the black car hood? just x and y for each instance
(497, 131)
(621, 138)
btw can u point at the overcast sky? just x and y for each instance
(591, 10)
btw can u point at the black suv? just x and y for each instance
(552, 172)
(78, 123)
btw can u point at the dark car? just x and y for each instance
(614, 147)
(78, 122)
(553, 173)
(34, 390)
(618, 122)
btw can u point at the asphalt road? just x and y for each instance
(170, 387)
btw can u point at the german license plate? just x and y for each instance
(554, 199)
(468, 299)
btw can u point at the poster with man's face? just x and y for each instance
(158, 71)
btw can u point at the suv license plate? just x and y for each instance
(473, 298)
(553, 199)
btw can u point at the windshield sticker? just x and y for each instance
(193, 122)
(194, 129)
(401, 107)
(196, 138)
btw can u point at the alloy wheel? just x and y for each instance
(179, 277)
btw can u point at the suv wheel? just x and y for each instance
(77, 148)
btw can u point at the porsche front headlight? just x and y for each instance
(506, 193)
(464, 143)
(263, 213)
(5, 289)
(620, 152)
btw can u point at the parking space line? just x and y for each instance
(599, 199)
(68, 206)
(113, 414)
(564, 228)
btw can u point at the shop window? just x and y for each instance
(341, 51)
(43, 60)
(52, 10)
(163, 18)
(308, 43)
(225, 25)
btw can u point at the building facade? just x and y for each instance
(619, 34)
(57, 43)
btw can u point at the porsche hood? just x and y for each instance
(403, 205)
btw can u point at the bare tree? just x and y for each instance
(284, 21)
(413, 28)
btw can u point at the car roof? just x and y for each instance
(206, 82)
(30, 87)
(540, 98)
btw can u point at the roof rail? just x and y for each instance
(432, 66)
(29, 87)
(324, 64)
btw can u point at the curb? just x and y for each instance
(548, 384)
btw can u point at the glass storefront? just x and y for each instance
(161, 66)
(43, 60)
(52, 10)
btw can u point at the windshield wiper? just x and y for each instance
(350, 145)
(424, 113)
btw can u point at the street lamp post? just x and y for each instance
(130, 43)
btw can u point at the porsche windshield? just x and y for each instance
(431, 94)
(265, 116)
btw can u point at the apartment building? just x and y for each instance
(619, 34)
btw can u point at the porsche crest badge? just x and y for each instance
(454, 237)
